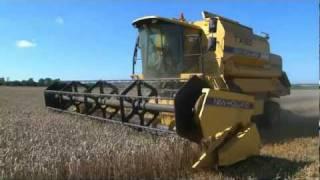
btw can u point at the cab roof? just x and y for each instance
(205, 14)
(153, 19)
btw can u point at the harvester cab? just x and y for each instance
(207, 81)
(169, 48)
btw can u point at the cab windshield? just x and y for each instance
(167, 50)
(161, 50)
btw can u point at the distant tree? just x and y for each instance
(41, 82)
(31, 82)
(15, 83)
(2, 81)
(24, 83)
(48, 81)
(56, 80)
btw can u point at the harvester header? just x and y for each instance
(209, 81)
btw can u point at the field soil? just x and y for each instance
(36, 143)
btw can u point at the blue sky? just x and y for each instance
(95, 39)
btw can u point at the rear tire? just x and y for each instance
(271, 114)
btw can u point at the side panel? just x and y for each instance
(228, 133)
(222, 109)
(271, 87)
(249, 69)
(257, 85)
(246, 143)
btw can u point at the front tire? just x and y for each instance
(271, 114)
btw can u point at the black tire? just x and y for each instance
(271, 114)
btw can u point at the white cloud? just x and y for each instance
(25, 44)
(59, 20)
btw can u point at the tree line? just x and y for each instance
(29, 82)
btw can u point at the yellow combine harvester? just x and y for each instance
(209, 81)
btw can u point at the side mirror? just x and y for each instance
(212, 44)
(135, 54)
(212, 25)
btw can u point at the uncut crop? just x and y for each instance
(39, 144)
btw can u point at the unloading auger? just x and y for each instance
(209, 81)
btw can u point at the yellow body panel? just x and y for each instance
(244, 144)
(167, 119)
(239, 146)
(214, 119)
(189, 75)
(257, 85)
(253, 71)
(228, 133)
(240, 54)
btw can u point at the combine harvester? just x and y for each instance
(209, 81)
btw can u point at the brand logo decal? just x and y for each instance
(229, 103)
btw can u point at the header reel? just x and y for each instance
(128, 101)
(211, 118)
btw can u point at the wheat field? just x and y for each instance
(39, 144)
